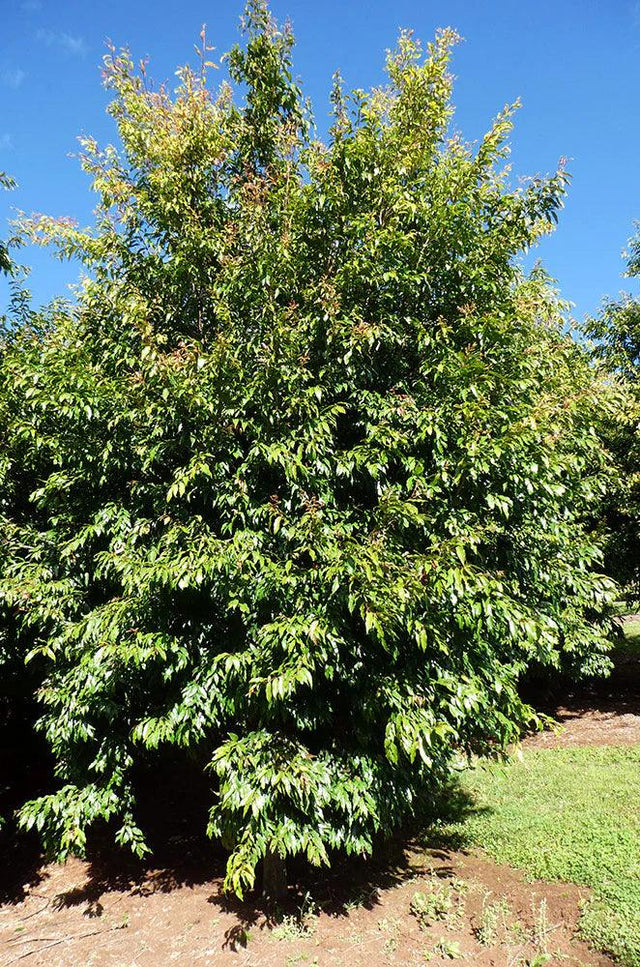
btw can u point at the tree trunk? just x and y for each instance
(274, 877)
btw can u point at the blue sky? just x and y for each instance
(574, 63)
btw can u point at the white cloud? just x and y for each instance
(6, 142)
(66, 42)
(12, 77)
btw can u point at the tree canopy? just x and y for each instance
(616, 331)
(297, 486)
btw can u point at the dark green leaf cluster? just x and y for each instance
(308, 459)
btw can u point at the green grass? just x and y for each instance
(573, 815)
(631, 645)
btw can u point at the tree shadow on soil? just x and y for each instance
(173, 813)
(25, 772)
(563, 698)
(425, 848)
(174, 802)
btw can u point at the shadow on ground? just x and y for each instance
(598, 711)
(173, 813)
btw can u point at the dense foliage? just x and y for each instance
(616, 332)
(17, 683)
(311, 455)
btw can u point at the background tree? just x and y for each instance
(312, 456)
(616, 332)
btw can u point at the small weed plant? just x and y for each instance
(434, 905)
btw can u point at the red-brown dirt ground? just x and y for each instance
(73, 916)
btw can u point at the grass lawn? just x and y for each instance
(631, 646)
(573, 815)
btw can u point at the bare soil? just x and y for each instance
(77, 915)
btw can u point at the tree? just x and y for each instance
(312, 453)
(616, 332)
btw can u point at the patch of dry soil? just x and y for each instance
(73, 917)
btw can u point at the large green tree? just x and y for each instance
(313, 457)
